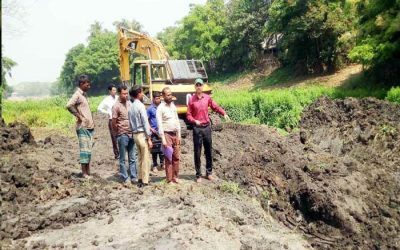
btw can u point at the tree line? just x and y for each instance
(309, 36)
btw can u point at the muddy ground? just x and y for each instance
(335, 184)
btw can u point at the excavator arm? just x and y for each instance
(133, 41)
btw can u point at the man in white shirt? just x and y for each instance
(169, 130)
(105, 107)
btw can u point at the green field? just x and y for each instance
(280, 108)
(50, 112)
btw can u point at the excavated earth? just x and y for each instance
(334, 184)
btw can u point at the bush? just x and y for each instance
(278, 108)
(393, 95)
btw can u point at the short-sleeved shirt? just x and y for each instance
(120, 113)
(151, 113)
(80, 102)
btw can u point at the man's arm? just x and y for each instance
(145, 121)
(102, 106)
(71, 107)
(189, 113)
(178, 125)
(114, 119)
(149, 115)
(160, 125)
(146, 125)
(214, 106)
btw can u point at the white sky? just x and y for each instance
(51, 27)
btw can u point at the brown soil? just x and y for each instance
(337, 182)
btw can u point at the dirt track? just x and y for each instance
(336, 182)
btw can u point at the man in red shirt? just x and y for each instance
(197, 114)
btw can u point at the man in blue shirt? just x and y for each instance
(156, 150)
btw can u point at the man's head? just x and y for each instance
(123, 93)
(136, 92)
(198, 83)
(157, 98)
(167, 95)
(84, 83)
(112, 90)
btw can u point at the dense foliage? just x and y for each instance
(308, 37)
(379, 38)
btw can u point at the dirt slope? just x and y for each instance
(336, 182)
(46, 205)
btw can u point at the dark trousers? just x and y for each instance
(156, 150)
(154, 156)
(113, 139)
(202, 136)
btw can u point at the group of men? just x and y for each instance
(134, 131)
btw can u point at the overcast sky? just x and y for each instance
(49, 28)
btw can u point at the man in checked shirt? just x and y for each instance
(197, 114)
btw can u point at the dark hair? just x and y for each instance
(122, 88)
(164, 89)
(156, 94)
(135, 91)
(111, 86)
(83, 79)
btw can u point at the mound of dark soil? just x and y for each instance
(14, 136)
(338, 181)
(25, 188)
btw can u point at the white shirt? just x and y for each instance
(167, 119)
(106, 105)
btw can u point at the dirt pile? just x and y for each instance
(14, 136)
(338, 181)
(33, 199)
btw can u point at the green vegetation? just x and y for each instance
(282, 108)
(230, 187)
(379, 40)
(48, 112)
(394, 95)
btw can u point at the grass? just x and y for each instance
(50, 112)
(280, 108)
(278, 76)
(226, 78)
(230, 187)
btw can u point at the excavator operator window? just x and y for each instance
(158, 72)
(144, 75)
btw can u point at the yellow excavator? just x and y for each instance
(158, 70)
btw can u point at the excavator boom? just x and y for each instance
(133, 41)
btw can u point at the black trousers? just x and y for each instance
(156, 150)
(202, 136)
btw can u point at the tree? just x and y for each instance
(379, 38)
(6, 65)
(247, 26)
(67, 79)
(95, 29)
(99, 60)
(200, 35)
(133, 25)
(316, 33)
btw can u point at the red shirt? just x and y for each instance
(198, 109)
